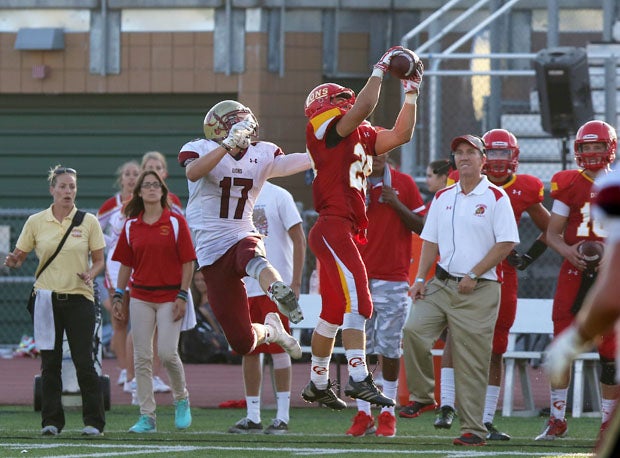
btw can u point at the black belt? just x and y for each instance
(157, 288)
(66, 297)
(443, 275)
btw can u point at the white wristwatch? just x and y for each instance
(472, 275)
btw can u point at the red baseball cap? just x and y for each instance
(474, 141)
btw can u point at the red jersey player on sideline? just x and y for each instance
(526, 194)
(339, 142)
(569, 226)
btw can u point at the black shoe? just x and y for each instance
(445, 417)
(366, 390)
(495, 434)
(246, 426)
(469, 439)
(415, 409)
(327, 397)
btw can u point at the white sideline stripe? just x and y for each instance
(141, 449)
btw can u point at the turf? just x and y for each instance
(313, 432)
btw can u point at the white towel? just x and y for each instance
(44, 329)
(189, 320)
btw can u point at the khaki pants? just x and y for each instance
(471, 320)
(145, 316)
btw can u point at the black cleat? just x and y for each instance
(445, 417)
(366, 390)
(495, 434)
(246, 426)
(327, 397)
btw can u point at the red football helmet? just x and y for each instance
(321, 99)
(502, 153)
(595, 132)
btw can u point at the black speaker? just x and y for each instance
(563, 89)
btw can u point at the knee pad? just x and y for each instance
(354, 321)
(326, 329)
(281, 360)
(256, 266)
(608, 371)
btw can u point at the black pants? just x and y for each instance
(74, 315)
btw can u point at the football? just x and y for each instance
(592, 252)
(403, 65)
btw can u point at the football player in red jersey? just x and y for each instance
(601, 309)
(569, 226)
(340, 142)
(526, 194)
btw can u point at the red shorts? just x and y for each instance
(260, 306)
(507, 309)
(343, 279)
(227, 295)
(569, 282)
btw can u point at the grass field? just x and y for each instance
(313, 432)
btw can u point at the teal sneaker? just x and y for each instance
(182, 414)
(145, 424)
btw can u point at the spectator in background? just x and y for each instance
(154, 160)
(340, 142)
(471, 225)
(395, 210)
(277, 218)
(151, 161)
(225, 173)
(111, 218)
(526, 194)
(437, 175)
(570, 225)
(153, 236)
(65, 300)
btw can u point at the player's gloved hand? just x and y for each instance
(561, 352)
(412, 84)
(519, 261)
(240, 134)
(384, 63)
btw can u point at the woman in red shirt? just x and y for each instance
(153, 237)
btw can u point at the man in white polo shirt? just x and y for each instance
(471, 226)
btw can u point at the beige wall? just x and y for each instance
(183, 63)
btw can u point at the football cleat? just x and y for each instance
(246, 426)
(285, 299)
(277, 426)
(387, 425)
(366, 390)
(554, 428)
(415, 409)
(327, 397)
(469, 439)
(362, 424)
(445, 417)
(495, 434)
(277, 334)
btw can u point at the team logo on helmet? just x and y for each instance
(322, 98)
(220, 119)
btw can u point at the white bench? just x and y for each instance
(534, 317)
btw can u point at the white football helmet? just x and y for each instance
(220, 119)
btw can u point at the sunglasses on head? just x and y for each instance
(62, 170)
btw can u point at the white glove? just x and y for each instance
(240, 134)
(561, 352)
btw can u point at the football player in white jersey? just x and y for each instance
(225, 172)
